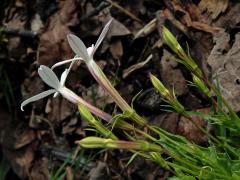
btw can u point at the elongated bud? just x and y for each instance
(172, 42)
(186, 60)
(96, 142)
(201, 86)
(171, 99)
(159, 86)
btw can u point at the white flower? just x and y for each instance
(50, 78)
(83, 53)
(86, 54)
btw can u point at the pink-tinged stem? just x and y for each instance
(108, 87)
(74, 98)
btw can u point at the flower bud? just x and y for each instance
(96, 142)
(172, 42)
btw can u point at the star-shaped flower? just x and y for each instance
(50, 78)
(86, 54)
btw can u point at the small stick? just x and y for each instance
(124, 11)
(99, 8)
(20, 32)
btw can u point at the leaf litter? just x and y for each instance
(210, 27)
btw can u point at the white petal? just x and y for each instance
(66, 61)
(101, 37)
(56, 94)
(48, 76)
(37, 97)
(64, 76)
(78, 47)
(66, 72)
(90, 49)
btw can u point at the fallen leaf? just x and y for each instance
(118, 29)
(20, 160)
(39, 170)
(230, 19)
(213, 8)
(36, 23)
(69, 173)
(224, 61)
(98, 172)
(19, 137)
(169, 15)
(171, 76)
(17, 21)
(116, 49)
(53, 45)
(188, 130)
(199, 24)
(167, 121)
(68, 127)
(61, 109)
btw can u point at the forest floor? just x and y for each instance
(40, 142)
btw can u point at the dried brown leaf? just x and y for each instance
(40, 170)
(53, 44)
(186, 18)
(188, 130)
(171, 76)
(230, 19)
(167, 121)
(118, 29)
(61, 109)
(213, 8)
(116, 49)
(20, 160)
(225, 64)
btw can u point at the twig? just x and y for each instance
(99, 8)
(20, 32)
(147, 29)
(124, 11)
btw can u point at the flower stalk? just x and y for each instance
(97, 124)
(186, 60)
(201, 85)
(169, 98)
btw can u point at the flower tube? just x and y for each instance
(50, 78)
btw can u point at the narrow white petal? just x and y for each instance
(66, 72)
(48, 76)
(90, 49)
(101, 37)
(78, 47)
(37, 97)
(64, 76)
(56, 94)
(66, 61)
